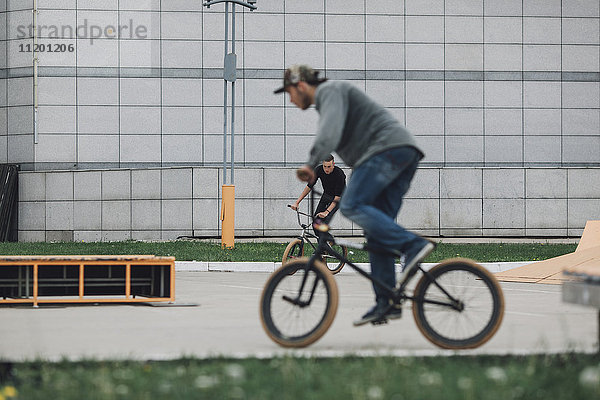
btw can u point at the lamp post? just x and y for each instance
(229, 75)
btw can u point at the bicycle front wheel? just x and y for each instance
(469, 321)
(298, 303)
(293, 251)
(332, 263)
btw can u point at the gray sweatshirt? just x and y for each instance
(353, 125)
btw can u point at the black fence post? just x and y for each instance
(9, 202)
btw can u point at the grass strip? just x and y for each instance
(563, 376)
(187, 250)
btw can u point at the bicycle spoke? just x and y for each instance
(464, 324)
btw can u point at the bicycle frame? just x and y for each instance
(306, 235)
(397, 295)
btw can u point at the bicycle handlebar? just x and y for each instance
(300, 212)
(320, 226)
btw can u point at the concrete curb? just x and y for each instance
(207, 266)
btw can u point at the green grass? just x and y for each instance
(567, 376)
(187, 250)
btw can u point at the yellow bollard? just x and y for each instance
(228, 216)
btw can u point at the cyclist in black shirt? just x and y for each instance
(333, 180)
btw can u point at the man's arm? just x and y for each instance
(340, 184)
(300, 198)
(306, 174)
(330, 207)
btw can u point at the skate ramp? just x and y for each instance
(590, 237)
(586, 256)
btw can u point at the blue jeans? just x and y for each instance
(372, 200)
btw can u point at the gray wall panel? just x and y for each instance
(502, 96)
(442, 201)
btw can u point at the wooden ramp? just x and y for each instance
(587, 255)
(590, 237)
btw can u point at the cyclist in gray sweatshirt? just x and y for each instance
(384, 157)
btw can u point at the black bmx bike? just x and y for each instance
(296, 248)
(457, 304)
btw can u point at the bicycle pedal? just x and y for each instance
(381, 321)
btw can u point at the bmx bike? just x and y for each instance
(457, 304)
(295, 249)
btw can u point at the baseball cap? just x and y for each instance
(297, 73)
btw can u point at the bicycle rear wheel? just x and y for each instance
(478, 312)
(298, 303)
(293, 251)
(336, 265)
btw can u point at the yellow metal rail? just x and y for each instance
(128, 262)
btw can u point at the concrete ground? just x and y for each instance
(225, 322)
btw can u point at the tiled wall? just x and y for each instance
(496, 92)
(481, 83)
(3, 87)
(17, 144)
(173, 202)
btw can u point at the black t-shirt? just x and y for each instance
(333, 183)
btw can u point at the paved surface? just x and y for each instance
(262, 266)
(226, 322)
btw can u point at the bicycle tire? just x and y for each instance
(340, 249)
(288, 324)
(480, 294)
(293, 251)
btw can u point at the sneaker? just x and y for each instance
(394, 312)
(414, 257)
(376, 313)
(379, 313)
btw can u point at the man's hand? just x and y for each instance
(306, 174)
(323, 214)
(294, 207)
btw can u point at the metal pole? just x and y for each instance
(225, 97)
(229, 74)
(232, 92)
(36, 62)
